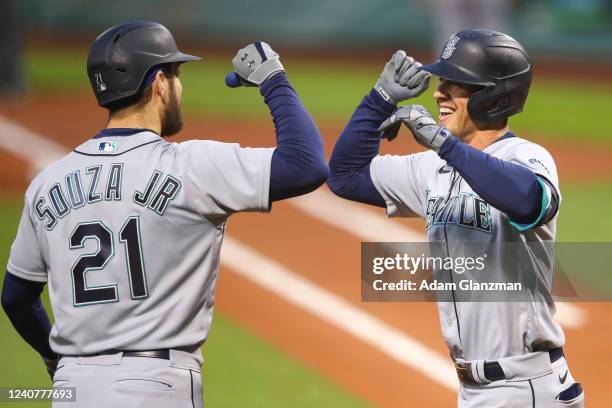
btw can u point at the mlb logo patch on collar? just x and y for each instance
(108, 146)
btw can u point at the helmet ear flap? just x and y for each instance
(490, 105)
(498, 102)
(480, 104)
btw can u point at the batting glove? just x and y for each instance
(253, 64)
(423, 126)
(401, 79)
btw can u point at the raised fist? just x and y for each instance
(401, 79)
(253, 64)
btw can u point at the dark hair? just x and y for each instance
(141, 98)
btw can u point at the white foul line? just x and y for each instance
(338, 312)
(37, 150)
(570, 315)
(356, 219)
(368, 225)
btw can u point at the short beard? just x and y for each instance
(172, 122)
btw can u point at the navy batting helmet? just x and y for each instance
(120, 58)
(492, 60)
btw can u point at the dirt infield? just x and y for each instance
(329, 258)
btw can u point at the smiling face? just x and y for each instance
(452, 99)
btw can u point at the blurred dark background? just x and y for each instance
(556, 27)
(573, 31)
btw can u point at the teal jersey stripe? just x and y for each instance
(526, 227)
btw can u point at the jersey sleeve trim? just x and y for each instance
(23, 274)
(543, 210)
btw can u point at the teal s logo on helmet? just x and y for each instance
(450, 46)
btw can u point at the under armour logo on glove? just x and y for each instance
(245, 57)
(421, 109)
(253, 71)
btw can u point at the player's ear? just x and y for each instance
(160, 86)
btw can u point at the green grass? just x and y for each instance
(568, 110)
(240, 370)
(560, 109)
(584, 217)
(585, 213)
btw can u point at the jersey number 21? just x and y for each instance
(129, 236)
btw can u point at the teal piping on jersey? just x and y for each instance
(545, 202)
(110, 132)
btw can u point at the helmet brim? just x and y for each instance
(181, 57)
(454, 73)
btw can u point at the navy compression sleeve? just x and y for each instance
(21, 302)
(511, 188)
(298, 164)
(356, 147)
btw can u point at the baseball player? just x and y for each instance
(127, 228)
(477, 183)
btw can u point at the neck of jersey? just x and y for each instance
(114, 132)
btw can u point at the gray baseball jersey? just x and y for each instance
(422, 185)
(127, 233)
